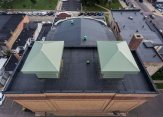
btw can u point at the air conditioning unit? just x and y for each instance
(43, 38)
(18, 49)
(14, 51)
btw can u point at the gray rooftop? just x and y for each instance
(128, 27)
(93, 29)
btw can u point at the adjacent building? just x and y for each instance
(141, 33)
(2, 72)
(80, 69)
(10, 28)
(30, 31)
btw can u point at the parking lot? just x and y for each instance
(30, 13)
(71, 5)
(159, 7)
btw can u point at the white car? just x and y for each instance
(2, 98)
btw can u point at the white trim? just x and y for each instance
(103, 22)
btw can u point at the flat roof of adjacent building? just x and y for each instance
(8, 24)
(2, 62)
(11, 63)
(26, 33)
(140, 25)
(44, 31)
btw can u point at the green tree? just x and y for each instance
(90, 2)
(33, 1)
(93, 2)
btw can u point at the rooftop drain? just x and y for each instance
(85, 38)
(72, 22)
(88, 62)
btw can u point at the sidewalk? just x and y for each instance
(158, 81)
(123, 4)
(59, 5)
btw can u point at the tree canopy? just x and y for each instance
(93, 2)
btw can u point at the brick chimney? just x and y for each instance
(135, 41)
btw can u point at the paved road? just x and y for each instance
(153, 108)
(142, 6)
(12, 109)
(146, 7)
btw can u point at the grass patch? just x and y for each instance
(115, 4)
(92, 8)
(28, 4)
(106, 18)
(158, 76)
(159, 85)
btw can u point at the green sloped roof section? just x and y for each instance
(116, 56)
(45, 56)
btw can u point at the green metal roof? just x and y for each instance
(115, 56)
(45, 56)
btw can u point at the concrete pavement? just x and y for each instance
(152, 108)
(158, 81)
(42, 18)
(59, 5)
(146, 7)
(152, 8)
(123, 4)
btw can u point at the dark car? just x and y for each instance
(80, 14)
(50, 13)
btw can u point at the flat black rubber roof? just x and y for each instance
(77, 76)
(26, 33)
(8, 24)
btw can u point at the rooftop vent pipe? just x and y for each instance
(72, 22)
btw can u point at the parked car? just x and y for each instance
(152, 16)
(94, 14)
(3, 13)
(100, 13)
(50, 13)
(2, 98)
(161, 10)
(80, 14)
(44, 13)
(34, 13)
